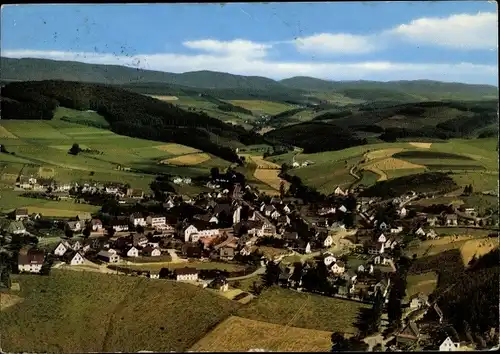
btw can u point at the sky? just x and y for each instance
(437, 40)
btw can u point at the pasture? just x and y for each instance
(477, 248)
(454, 240)
(269, 177)
(157, 266)
(177, 149)
(259, 106)
(188, 160)
(93, 312)
(291, 308)
(424, 283)
(80, 117)
(237, 334)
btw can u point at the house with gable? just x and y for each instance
(418, 301)
(137, 219)
(96, 225)
(30, 260)
(451, 220)
(74, 226)
(325, 239)
(410, 335)
(432, 220)
(20, 214)
(132, 252)
(420, 232)
(329, 258)
(151, 251)
(16, 227)
(74, 258)
(338, 268)
(186, 274)
(449, 346)
(154, 220)
(219, 283)
(61, 249)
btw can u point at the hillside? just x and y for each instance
(417, 89)
(229, 86)
(127, 113)
(66, 313)
(315, 137)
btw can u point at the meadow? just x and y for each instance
(65, 312)
(259, 106)
(238, 334)
(198, 265)
(424, 283)
(291, 308)
(472, 161)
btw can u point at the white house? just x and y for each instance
(449, 346)
(96, 225)
(132, 252)
(328, 241)
(120, 227)
(338, 191)
(30, 261)
(74, 225)
(382, 238)
(108, 257)
(191, 229)
(383, 226)
(295, 164)
(21, 214)
(16, 227)
(431, 234)
(275, 214)
(343, 209)
(402, 212)
(420, 232)
(156, 220)
(151, 252)
(287, 209)
(237, 215)
(112, 251)
(308, 248)
(60, 249)
(396, 230)
(329, 259)
(338, 268)
(169, 204)
(137, 219)
(186, 274)
(77, 259)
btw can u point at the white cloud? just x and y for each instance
(234, 48)
(367, 70)
(460, 31)
(339, 43)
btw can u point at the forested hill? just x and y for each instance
(127, 113)
(229, 86)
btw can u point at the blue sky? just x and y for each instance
(449, 41)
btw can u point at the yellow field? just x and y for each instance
(238, 334)
(262, 106)
(394, 164)
(166, 98)
(422, 145)
(378, 154)
(269, 177)
(177, 149)
(442, 244)
(46, 172)
(477, 247)
(261, 163)
(8, 300)
(4, 133)
(9, 177)
(190, 159)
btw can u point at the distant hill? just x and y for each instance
(229, 86)
(417, 89)
(127, 113)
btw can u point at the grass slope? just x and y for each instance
(92, 312)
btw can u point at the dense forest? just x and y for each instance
(315, 137)
(127, 113)
(421, 183)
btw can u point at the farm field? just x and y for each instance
(259, 106)
(187, 160)
(421, 283)
(92, 312)
(456, 240)
(477, 248)
(288, 307)
(475, 164)
(241, 334)
(81, 117)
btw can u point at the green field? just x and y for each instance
(472, 161)
(92, 312)
(259, 106)
(288, 307)
(43, 146)
(424, 283)
(198, 265)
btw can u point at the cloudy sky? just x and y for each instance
(448, 41)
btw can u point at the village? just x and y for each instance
(346, 247)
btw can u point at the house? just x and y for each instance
(151, 252)
(470, 212)
(295, 164)
(191, 250)
(84, 217)
(169, 204)
(156, 220)
(108, 257)
(275, 215)
(96, 225)
(326, 211)
(396, 230)
(75, 258)
(137, 219)
(451, 220)
(431, 234)
(119, 225)
(287, 208)
(325, 239)
(202, 229)
(226, 253)
(139, 240)
(383, 258)
(135, 193)
(361, 268)
(329, 259)
(132, 252)
(402, 212)
(382, 239)
(339, 191)
(449, 346)
(382, 287)
(343, 209)
(112, 251)
(16, 227)
(410, 335)
(20, 214)
(432, 220)
(61, 249)
(30, 260)
(418, 301)
(246, 251)
(237, 215)
(186, 274)
(338, 267)
(220, 283)
(420, 232)
(383, 226)
(74, 226)
(350, 276)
